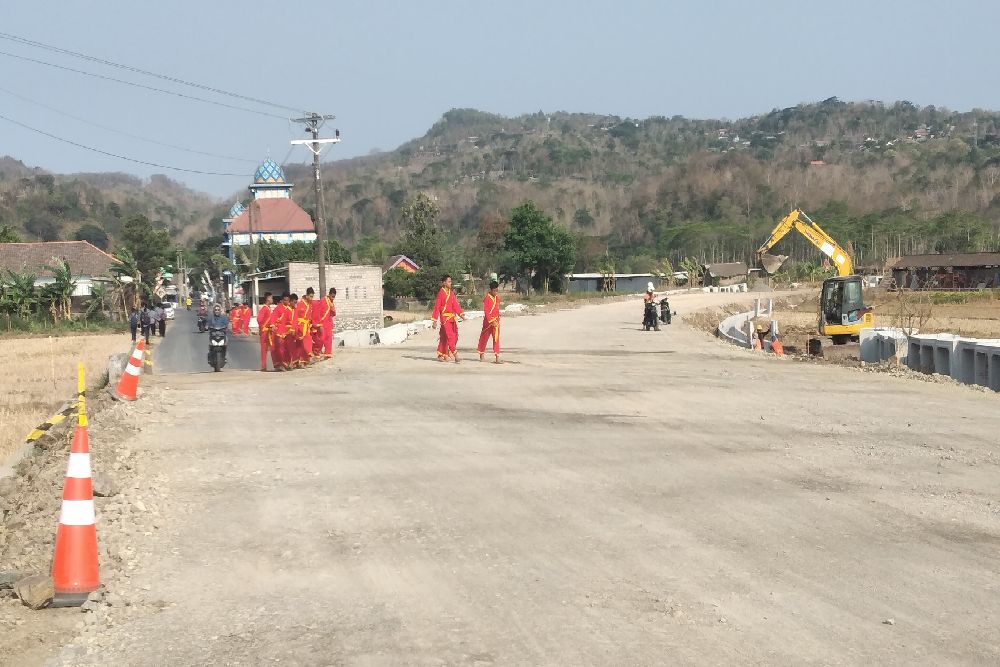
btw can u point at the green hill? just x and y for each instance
(43, 206)
(887, 179)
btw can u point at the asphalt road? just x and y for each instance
(607, 497)
(185, 350)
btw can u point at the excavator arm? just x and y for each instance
(824, 243)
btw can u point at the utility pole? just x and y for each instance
(313, 122)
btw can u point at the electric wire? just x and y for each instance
(122, 132)
(115, 155)
(141, 85)
(111, 63)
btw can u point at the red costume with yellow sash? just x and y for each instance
(282, 339)
(491, 323)
(303, 333)
(323, 312)
(264, 330)
(446, 311)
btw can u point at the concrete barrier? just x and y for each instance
(988, 364)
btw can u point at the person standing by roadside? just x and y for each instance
(331, 312)
(133, 322)
(146, 320)
(234, 318)
(161, 319)
(246, 312)
(264, 330)
(447, 310)
(491, 322)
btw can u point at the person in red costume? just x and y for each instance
(282, 338)
(322, 317)
(491, 322)
(264, 330)
(234, 319)
(246, 312)
(303, 330)
(448, 313)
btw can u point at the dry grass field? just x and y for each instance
(38, 374)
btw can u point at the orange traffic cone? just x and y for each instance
(74, 566)
(129, 384)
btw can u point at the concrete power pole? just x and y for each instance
(313, 123)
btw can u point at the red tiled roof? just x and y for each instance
(83, 258)
(273, 215)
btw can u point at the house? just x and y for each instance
(947, 271)
(623, 282)
(400, 262)
(728, 273)
(271, 216)
(87, 263)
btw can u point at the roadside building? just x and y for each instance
(728, 273)
(359, 290)
(271, 216)
(89, 265)
(973, 270)
(401, 262)
(626, 283)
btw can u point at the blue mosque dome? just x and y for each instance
(236, 210)
(269, 172)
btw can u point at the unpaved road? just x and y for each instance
(610, 497)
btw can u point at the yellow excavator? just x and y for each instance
(842, 310)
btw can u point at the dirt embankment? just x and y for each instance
(29, 511)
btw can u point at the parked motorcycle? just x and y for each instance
(665, 315)
(216, 348)
(649, 319)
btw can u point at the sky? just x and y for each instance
(389, 69)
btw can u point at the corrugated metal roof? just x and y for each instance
(591, 276)
(83, 258)
(964, 260)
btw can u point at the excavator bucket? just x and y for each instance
(772, 263)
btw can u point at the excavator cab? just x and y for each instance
(842, 309)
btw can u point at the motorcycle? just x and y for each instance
(665, 314)
(649, 319)
(216, 348)
(202, 322)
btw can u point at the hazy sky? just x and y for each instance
(388, 70)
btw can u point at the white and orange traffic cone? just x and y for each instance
(75, 571)
(129, 384)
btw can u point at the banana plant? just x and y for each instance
(128, 279)
(19, 294)
(59, 293)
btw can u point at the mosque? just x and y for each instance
(271, 215)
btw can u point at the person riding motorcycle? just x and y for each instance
(649, 317)
(218, 319)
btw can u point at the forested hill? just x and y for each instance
(38, 205)
(886, 178)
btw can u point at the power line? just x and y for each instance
(110, 63)
(140, 85)
(122, 132)
(115, 155)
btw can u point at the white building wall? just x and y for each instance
(359, 291)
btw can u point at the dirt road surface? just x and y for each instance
(609, 497)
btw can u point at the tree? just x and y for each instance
(422, 240)
(398, 282)
(93, 235)
(371, 250)
(128, 280)
(665, 271)
(9, 235)
(540, 249)
(148, 244)
(693, 269)
(583, 218)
